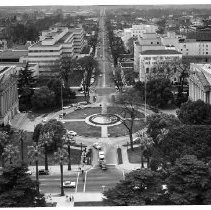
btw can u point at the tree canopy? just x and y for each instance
(188, 182)
(187, 140)
(158, 92)
(195, 113)
(139, 188)
(43, 98)
(18, 190)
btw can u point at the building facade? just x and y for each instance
(8, 94)
(200, 82)
(54, 45)
(149, 59)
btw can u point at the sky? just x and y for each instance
(97, 2)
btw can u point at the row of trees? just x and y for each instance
(116, 43)
(185, 183)
(16, 187)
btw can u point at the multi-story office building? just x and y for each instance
(200, 82)
(138, 31)
(149, 59)
(149, 41)
(8, 94)
(55, 44)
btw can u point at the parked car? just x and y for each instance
(43, 172)
(78, 108)
(101, 155)
(97, 146)
(69, 184)
(45, 120)
(73, 133)
(103, 166)
(28, 172)
(82, 103)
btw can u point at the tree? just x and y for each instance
(195, 113)
(129, 102)
(158, 125)
(4, 139)
(18, 190)
(158, 92)
(59, 156)
(67, 66)
(117, 78)
(49, 136)
(55, 85)
(173, 69)
(88, 64)
(139, 188)
(188, 181)
(25, 87)
(130, 44)
(43, 98)
(186, 140)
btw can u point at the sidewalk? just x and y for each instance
(63, 201)
(126, 164)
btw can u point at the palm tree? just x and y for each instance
(68, 139)
(45, 140)
(34, 153)
(59, 156)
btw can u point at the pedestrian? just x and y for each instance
(70, 198)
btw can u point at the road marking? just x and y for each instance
(85, 181)
(76, 188)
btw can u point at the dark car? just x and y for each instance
(43, 172)
(103, 166)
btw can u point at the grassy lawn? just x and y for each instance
(121, 130)
(118, 110)
(134, 156)
(83, 113)
(84, 129)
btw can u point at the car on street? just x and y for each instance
(28, 172)
(82, 103)
(103, 166)
(69, 184)
(77, 108)
(43, 172)
(72, 133)
(45, 120)
(100, 75)
(101, 155)
(97, 146)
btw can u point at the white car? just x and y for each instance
(101, 155)
(69, 184)
(28, 172)
(97, 146)
(45, 120)
(73, 133)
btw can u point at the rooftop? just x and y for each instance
(10, 54)
(160, 52)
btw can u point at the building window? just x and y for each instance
(158, 43)
(207, 53)
(151, 42)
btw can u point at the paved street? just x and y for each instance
(96, 179)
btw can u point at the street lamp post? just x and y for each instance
(36, 163)
(61, 168)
